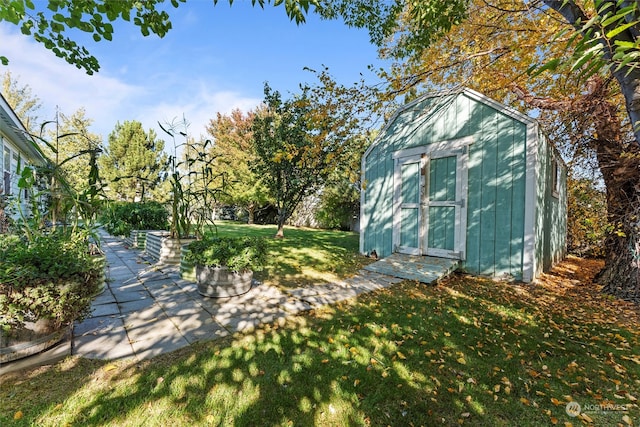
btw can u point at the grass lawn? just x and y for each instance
(468, 351)
(305, 256)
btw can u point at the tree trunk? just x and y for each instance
(621, 172)
(251, 211)
(619, 163)
(282, 217)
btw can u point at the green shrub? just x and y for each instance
(236, 253)
(51, 277)
(339, 205)
(123, 217)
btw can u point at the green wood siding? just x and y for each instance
(497, 173)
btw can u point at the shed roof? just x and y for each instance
(451, 94)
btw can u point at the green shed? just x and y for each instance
(455, 174)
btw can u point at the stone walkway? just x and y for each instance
(148, 309)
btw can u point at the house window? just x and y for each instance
(556, 177)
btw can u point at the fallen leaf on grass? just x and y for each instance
(18, 415)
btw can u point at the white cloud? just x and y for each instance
(57, 83)
(107, 98)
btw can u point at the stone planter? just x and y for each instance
(32, 338)
(164, 249)
(219, 282)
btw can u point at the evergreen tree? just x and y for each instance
(133, 163)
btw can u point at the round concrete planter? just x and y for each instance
(220, 282)
(32, 338)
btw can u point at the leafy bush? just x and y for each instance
(235, 253)
(339, 205)
(124, 217)
(50, 277)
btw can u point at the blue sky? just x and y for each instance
(213, 60)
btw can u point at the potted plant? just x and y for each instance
(225, 265)
(46, 284)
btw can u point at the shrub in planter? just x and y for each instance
(236, 253)
(50, 277)
(124, 217)
(225, 265)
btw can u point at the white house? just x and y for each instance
(17, 149)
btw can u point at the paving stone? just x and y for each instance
(296, 306)
(106, 297)
(139, 329)
(108, 346)
(131, 296)
(198, 326)
(137, 305)
(104, 310)
(97, 325)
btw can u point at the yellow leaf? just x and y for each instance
(330, 340)
(110, 368)
(496, 388)
(461, 361)
(507, 390)
(18, 415)
(400, 355)
(447, 334)
(627, 420)
(524, 401)
(554, 420)
(586, 418)
(325, 360)
(568, 424)
(555, 401)
(356, 382)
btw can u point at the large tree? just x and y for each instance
(133, 163)
(232, 149)
(298, 143)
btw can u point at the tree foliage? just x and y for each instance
(298, 144)
(234, 152)
(22, 100)
(133, 162)
(587, 219)
(73, 147)
(50, 22)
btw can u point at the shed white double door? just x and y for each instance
(430, 190)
